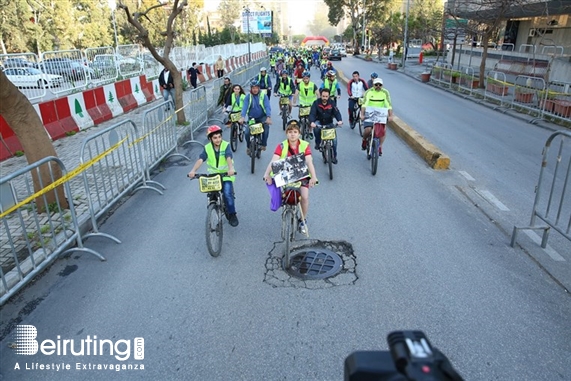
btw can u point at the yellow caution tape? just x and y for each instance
(63, 179)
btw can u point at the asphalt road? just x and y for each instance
(426, 258)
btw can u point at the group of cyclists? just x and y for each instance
(255, 107)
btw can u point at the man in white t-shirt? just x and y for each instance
(356, 88)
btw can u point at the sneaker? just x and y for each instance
(316, 147)
(380, 151)
(310, 136)
(364, 145)
(247, 152)
(302, 226)
(233, 220)
(334, 160)
(263, 148)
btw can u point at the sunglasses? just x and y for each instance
(378, 85)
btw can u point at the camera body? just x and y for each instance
(411, 357)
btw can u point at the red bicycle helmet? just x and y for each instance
(213, 129)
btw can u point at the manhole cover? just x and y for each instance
(314, 263)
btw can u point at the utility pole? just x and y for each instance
(405, 35)
(247, 10)
(363, 28)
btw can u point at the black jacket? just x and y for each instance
(324, 114)
(169, 82)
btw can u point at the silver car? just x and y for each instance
(31, 77)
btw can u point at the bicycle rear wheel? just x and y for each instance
(214, 231)
(234, 137)
(360, 126)
(375, 156)
(241, 133)
(288, 233)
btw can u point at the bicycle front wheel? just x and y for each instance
(360, 126)
(214, 229)
(253, 152)
(284, 116)
(375, 157)
(288, 233)
(329, 158)
(241, 133)
(234, 137)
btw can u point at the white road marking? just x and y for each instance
(548, 249)
(492, 199)
(467, 176)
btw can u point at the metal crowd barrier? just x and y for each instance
(160, 137)
(552, 205)
(19, 67)
(497, 88)
(121, 170)
(33, 238)
(527, 92)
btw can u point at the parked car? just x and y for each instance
(343, 52)
(17, 62)
(335, 54)
(31, 77)
(70, 70)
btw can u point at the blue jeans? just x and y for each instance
(169, 93)
(265, 134)
(228, 194)
(317, 134)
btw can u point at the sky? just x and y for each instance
(301, 12)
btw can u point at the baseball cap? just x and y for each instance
(377, 80)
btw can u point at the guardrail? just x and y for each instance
(552, 203)
(35, 238)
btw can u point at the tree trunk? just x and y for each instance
(485, 39)
(29, 129)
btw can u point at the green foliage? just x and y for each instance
(70, 133)
(19, 153)
(53, 207)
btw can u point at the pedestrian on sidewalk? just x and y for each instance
(225, 91)
(167, 86)
(193, 73)
(219, 65)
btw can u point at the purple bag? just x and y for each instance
(275, 196)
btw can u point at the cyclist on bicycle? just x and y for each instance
(307, 91)
(285, 86)
(298, 73)
(370, 85)
(356, 88)
(235, 101)
(332, 85)
(375, 97)
(293, 145)
(325, 70)
(280, 66)
(265, 81)
(323, 111)
(258, 108)
(218, 156)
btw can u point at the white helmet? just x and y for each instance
(263, 68)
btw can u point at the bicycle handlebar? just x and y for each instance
(198, 175)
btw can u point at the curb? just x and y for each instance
(431, 154)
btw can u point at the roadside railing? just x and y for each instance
(34, 236)
(77, 70)
(552, 204)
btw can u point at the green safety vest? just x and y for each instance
(237, 104)
(331, 86)
(273, 62)
(265, 78)
(220, 165)
(261, 99)
(285, 89)
(307, 94)
(285, 150)
(377, 99)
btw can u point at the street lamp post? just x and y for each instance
(247, 10)
(290, 39)
(405, 35)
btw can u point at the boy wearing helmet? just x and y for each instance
(265, 81)
(293, 145)
(285, 86)
(330, 83)
(257, 107)
(218, 156)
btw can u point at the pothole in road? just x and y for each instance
(310, 252)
